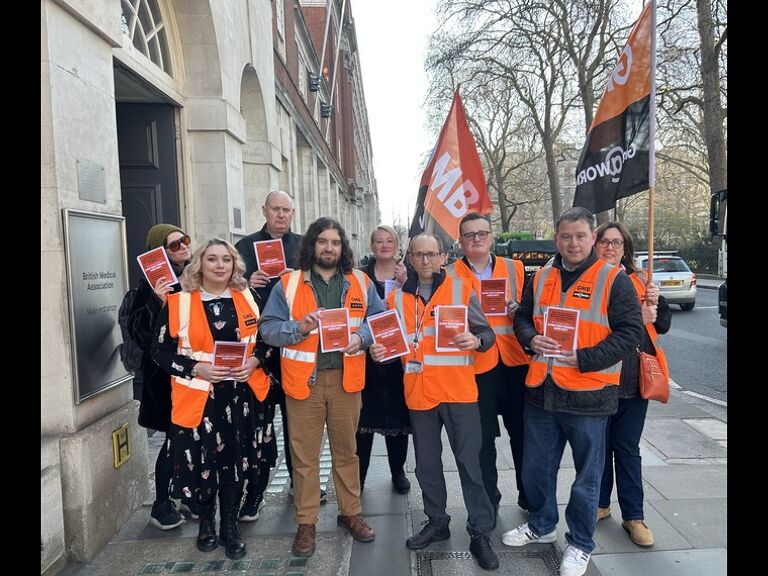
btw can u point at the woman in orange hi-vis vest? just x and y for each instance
(217, 432)
(615, 246)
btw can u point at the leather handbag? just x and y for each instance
(654, 384)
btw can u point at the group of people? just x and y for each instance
(220, 438)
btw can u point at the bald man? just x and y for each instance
(278, 214)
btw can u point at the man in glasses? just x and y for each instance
(440, 391)
(500, 371)
(571, 394)
(278, 214)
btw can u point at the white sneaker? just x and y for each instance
(574, 562)
(523, 535)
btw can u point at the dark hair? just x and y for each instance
(307, 247)
(474, 216)
(574, 214)
(437, 238)
(629, 244)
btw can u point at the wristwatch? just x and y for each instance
(193, 372)
(479, 342)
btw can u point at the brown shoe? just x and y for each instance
(603, 513)
(304, 542)
(357, 527)
(639, 533)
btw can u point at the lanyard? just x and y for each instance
(419, 320)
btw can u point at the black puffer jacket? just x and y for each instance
(626, 324)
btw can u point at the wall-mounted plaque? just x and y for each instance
(96, 283)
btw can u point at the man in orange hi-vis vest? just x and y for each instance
(440, 391)
(571, 390)
(500, 372)
(323, 388)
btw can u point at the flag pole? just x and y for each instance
(652, 143)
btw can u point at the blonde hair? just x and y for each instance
(192, 277)
(386, 228)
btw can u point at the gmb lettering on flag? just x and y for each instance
(453, 183)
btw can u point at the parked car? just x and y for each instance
(672, 275)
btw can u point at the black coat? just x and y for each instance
(155, 408)
(626, 324)
(384, 410)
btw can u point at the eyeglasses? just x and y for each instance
(616, 243)
(175, 246)
(480, 235)
(421, 255)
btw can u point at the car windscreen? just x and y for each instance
(668, 265)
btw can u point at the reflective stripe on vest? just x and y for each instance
(444, 376)
(593, 326)
(506, 347)
(298, 355)
(298, 361)
(189, 395)
(465, 360)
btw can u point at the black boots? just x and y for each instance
(229, 532)
(433, 531)
(206, 532)
(401, 483)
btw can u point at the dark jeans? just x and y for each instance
(462, 426)
(502, 391)
(622, 447)
(545, 437)
(397, 451)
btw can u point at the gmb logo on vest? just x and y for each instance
(249, 320)
(583, 290)
(356, 303)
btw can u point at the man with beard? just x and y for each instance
(278, 214)
(322, 388)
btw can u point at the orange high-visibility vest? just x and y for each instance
(189, 326)
(298, 361)
(589, 294)
(444, 376)
(512, 353)
(640, 288)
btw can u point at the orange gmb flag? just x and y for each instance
(453, 182)
(614, 162)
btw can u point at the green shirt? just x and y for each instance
(328, 296)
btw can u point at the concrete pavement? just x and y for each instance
(684, 449)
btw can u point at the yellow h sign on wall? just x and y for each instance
(121, 447)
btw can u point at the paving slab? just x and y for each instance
(712, 427)
(712, 562)
(695, 520)
(680, 481)
(675, 439)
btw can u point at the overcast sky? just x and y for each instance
(392, 39)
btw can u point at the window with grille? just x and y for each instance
(143, 23)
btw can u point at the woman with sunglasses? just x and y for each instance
(155, 408)
(614, 244)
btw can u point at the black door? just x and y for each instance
(148, 175)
